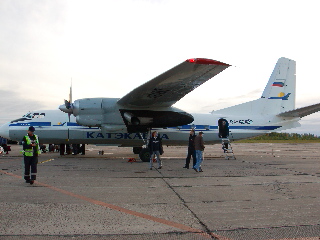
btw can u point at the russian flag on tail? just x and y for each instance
(278, 84)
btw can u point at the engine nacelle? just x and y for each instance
(87, 106)
(89, 120)
(88, 111)
(110, 116)
(131, 118)
(142, 120)
(98, 112)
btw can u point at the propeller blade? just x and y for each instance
(67, 104)
(70, 93)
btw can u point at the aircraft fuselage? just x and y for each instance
(53, 126)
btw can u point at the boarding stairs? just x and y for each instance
(227, 149)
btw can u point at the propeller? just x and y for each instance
(67, 107)
(67, 104)
(70, 95)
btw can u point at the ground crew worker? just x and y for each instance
(31, 151)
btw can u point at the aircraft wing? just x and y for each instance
(171, 86)
(301, 112)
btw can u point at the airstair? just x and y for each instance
(227, 149)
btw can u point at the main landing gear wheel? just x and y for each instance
(144, 155)
(137, 150)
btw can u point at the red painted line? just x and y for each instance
(127, 211)
(308, 238)
(304, 238)
(145, 216)
(10, 174)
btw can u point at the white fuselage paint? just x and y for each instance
(54, 127)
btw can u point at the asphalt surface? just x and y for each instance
(271, 191)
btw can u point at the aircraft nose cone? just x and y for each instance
(4, 131)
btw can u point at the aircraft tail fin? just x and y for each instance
(278, 95)
(280, 91)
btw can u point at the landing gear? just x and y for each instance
(144, 155)
(137, 150)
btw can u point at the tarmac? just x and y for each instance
(271, 191)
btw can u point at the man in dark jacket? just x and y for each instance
(155, 147)
(199, 148)
(191, 150)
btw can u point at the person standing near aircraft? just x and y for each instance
(31, 151)
(191, 150)
(199, 148)
(155, 147)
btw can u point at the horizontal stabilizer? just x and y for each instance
(301, 112)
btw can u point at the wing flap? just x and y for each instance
(301, 112)
(171, 86)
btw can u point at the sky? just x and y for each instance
(107, 48)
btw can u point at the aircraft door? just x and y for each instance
(223, 127)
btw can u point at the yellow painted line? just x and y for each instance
(49, 160)
(127, 211)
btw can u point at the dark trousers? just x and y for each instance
(191, 152)
(30, 163)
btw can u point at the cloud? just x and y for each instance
(13, 105)
(109, 48)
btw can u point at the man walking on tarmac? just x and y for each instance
(31, 151)
(155, 147)
(199, 148)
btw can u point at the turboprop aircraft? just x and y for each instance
(126, 121)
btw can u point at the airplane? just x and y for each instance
(127, 122)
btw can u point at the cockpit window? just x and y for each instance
(30, 116)
(38, 115)
(34, 115)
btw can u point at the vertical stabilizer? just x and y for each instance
(280, 92)
(278, 96)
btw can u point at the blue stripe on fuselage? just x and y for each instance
(41, 124)
(206, 127)
(182, 128)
